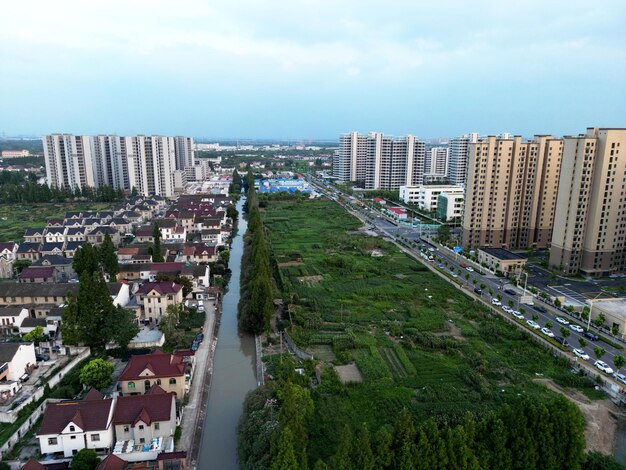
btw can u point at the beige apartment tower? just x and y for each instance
(590, 233)
(511, 190)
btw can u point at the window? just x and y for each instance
(142, 440)
(126, 428)
(52, 441)
(158, 382)
(95, 437)
(146, 384)
(140, 427)
(72, 429)
(131, 384)
(72, 437)
(157, 426)
(172, 381)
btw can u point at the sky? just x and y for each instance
(303, 70)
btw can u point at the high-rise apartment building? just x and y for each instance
(459, 156)
(377, 161)
(144, 163)
(436, 164)
(590, 233)
(510, 194)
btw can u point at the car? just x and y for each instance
(478, 290)
(561, 340)
(620, 377)
(56, 349)
(590, 335)
(496, 302)
(507, 309)
(576, 328)
(517, 314)
(533, 324)
(581, 353)
(562, 321)
(199, 337)
(469, 269)
(431, 249)
(194, 346)
(42, 357)
(547, 332)
(455, 275)
(201, 306)
(539, 308)
(603, 366)
(510, 292)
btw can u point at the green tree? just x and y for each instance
(285, 454)
(122, 326)
(231, 212)
(549, 324)
(155, 250)
(109, 258)
(535, 317)
(599, 352)
(343, 457)
(383, 453)
(443, 233)
(170, 320)
(70, 321)
(565, 332)
(619, 361)
(295, 412)
(97, 373)
(86, 260)
(557, 303)
(582, 341)
(35, 335)
(599, 320)
(363, 455)
(85, 459)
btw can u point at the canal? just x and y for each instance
(233, 373)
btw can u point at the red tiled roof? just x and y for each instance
(181, 454)
(145, 408)
(93, 394)
(397, 210)
(37, 272)
(160, 364)
(128, 250)
(8, 246)
(161, 287)
(112, 462)
(32, 464)
(179, 230)
(144, 232)
(90, 415)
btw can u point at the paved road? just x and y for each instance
(544, 312)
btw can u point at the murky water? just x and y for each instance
(233, 373)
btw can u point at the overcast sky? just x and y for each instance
(311, 69)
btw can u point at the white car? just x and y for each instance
(469, 269)
(620, 377)
(547, 332)
(581, 353)
(517, 315)
(496, 302)
(562, 321)
(603, 366)
(507, 309)
(533, 324)
(576, 328)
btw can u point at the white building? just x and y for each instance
(15, 360)
(459, 156)
(450, 206)
(436, 164)
(15, 153)
(69, 162)
(426, 196)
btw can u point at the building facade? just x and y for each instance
(459, 157)
(590, 235)
(510, 196)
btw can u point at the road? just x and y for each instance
(445, 260)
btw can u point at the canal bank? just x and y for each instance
(233, 372)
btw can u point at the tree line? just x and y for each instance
(256, 304)
(523, 434)
(28, 191)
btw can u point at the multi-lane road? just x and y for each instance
(449, 262)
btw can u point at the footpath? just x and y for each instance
(194, 411)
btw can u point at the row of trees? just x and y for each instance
(235, 187)
(525, 434)
(256, 304)
(90, 258)
(32, 192)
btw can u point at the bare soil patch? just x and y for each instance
(600, 416)
(310, 280)
(349, 373)
(286, 264)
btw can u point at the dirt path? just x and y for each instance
(600, 416)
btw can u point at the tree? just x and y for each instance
(384, 454)
(535, 317)
(599, 352)
(86, 260)
(363, 455)
(343, 457)
(557, 303)
(97, 374)
(85, 459)
(619, 361)
(599, 320)
(122, 327)
(582, 341)
(155, 250)
(35, 335)
(109, 258)
(565, 332)
(231, 212)
(615, 329)
(490, 292)
(482, 286)
(285, 454)
(549, 324)
(443, 233)
(170, 320)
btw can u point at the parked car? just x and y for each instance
(539, 308)
(620, 377)
(576, 328)
(56, 349)
(533, 324)
(199, 337)
(547, 332)
(590, 335)
(478, 290)
(42, 357)
(469, 269)
(517, 314)
(510, 292)
(603, 366)
(496, 302)
(201, 306)
(507, 309)
(195, 345)
(581, 353)
(561, 340)
(562, 321)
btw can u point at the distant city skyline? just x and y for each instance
(314, 70)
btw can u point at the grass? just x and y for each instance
(15, 218)
(418, 341)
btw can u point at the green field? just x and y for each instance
(15, 218)
(417, 341)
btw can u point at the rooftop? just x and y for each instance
(502, 254)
